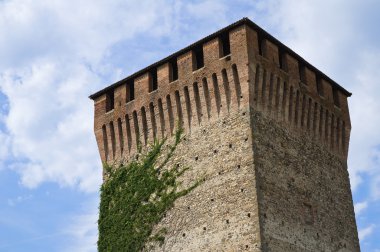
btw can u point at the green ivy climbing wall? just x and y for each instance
(136, 196)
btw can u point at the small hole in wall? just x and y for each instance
(212, 200)
(246, 139)
(183, 234)
(215, 151)
(230, 145)
(164, 214)
(188, 208)
(241, 97)
(228, 221)
(221, 105)
(246, 246)
(177, 165)
(243, 113)
(265, 216)
(224, 122)
(220, 173)
(204, 131)
(242, 190)
(249, 215)
(238, 166)
(204, 228)
(201, 114)
(196, 158)
(184, 137)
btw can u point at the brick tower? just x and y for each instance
(269, 131)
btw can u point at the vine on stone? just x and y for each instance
(136, 196)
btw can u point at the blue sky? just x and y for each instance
(55, 53)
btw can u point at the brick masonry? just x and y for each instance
(267, 130)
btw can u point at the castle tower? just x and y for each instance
(269, 131)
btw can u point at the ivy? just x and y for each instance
(136, 196)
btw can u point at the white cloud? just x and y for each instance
(54, 60)
(360, 207)
(57, 54)
(375, 188)
(4, 147)
(13, 202)
(364, 106)
(83, 230)
(365, 232)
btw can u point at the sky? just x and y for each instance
(55, 53)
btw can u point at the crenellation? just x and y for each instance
(271, 53)
(185, 65)
(266, 89)
(212, 49)
(327, 93)
(293, 69)
(164, 74)
(142, 87)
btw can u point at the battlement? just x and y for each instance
(235, 70)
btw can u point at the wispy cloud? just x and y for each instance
(18, 200)
(365, 232)
(360, 207)
(83, 231)
(57, 50)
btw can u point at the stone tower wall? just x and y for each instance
(300, 134)
(267, 130)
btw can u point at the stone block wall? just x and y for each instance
(269, 131)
